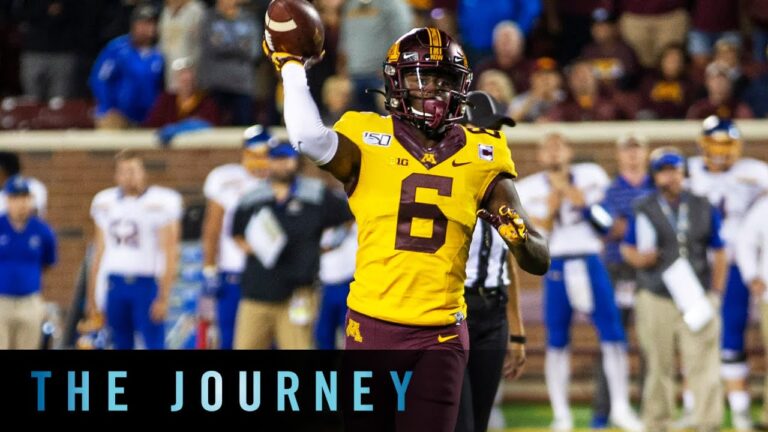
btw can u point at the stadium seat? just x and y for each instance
(64, 114)
(18, 113)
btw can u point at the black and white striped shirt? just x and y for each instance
(487, 265)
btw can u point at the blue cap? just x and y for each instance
(255, 136)
(667, 159)
(720, 129)
(282, 149)
(16, 185)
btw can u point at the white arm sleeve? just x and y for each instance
(308, 135)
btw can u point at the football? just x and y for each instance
(294, 26)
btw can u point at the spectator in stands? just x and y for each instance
(278, 299)
(668, 242)
(614, 62)
(337, 98)
(650, 25)
(728, 55)
(186, 102)
(179, 29)
(756, 96)
(712, 20)
(758, 14)
(508, 55)
(10, 166)
(584, 102)
(570, 23)
(231, 43)
(27, 249)
(666, 92)
(631, 182)
(498, 86)
(546, 91)
(48, 58)
(330, 14)
(128, 75)
(367, 27)
(478, 21)
(720, 100)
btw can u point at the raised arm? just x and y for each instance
(331, 151)
(503, 210)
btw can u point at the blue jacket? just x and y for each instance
(126, 79)
(477, 18)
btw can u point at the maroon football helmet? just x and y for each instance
(426, 65)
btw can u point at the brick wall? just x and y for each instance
(73, 177)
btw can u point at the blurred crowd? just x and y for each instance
(187, 64)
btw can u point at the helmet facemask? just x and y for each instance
(720, 153)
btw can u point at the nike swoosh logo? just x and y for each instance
(442, 339)
(458, 164)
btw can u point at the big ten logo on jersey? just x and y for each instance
(125, 232)
(398, 161)
(377, 139)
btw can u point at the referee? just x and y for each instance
(496, 333)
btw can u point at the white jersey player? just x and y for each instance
(732, 184)
(223, 260)
(136, 246)
(559, 200)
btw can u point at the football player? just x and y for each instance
(563, 200)
(416, 180)
(223, 260)
(136, 244)
(732, 184)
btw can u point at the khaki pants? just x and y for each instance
(260, 323)
(21, 321)
(660, 327)
(648, 35)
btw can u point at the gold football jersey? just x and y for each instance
(416, 209)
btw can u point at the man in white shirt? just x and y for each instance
(561, 200)
(136, 245)
(732, 183)
(752, 258)
(223, 260)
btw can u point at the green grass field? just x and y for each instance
(536, 417)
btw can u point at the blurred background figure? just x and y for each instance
(279, 225)
(667, 91)
(128, 75)
(478, 23)
(179, 29)
(631, 183)
(49, 40)
(720, 100)
(508, 55)
(546, 91)
(758, 15)
(753, 265)
(337, 270)
(614, 62)
(136, 245)
(368, 27)
(10, 166)
(186, 101)
(584, 101)
(27, 249)
(649, 26)
(562, 200)
(338, 92)
(497, 85)
(223, 260)
(712, 20)
(231, 44)
(732, 184)
(673, 229)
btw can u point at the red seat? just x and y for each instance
(61, 114)
(18, 113)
